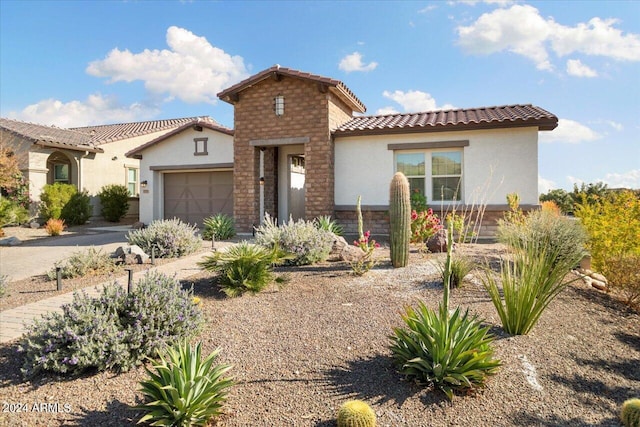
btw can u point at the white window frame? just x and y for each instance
(136, 182)
(428, 173)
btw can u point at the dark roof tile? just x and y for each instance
(444, 120)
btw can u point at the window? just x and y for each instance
(278, 105)
(132, 181)
(61, 173)
(201, 146)
(435, 174)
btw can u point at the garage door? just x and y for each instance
(193, 196)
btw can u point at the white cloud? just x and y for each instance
(617, 126)
(96, 109)
(353, 62)
(522, 30)
(569, 131)
(544, 185)
(428, 9)
(192, 69)
(414, 100)
(630, 179)
(386, 110)
(575, 67)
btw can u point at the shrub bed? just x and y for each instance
(171, 238)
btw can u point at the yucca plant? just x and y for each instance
(218, 226)
(245, 267)
(449, 350)
(183, 389)
(326, 223)
(530, 281)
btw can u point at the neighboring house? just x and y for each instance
(87, 157)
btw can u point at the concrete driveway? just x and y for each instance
(35, 257)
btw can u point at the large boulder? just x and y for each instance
(438, 242)
(343, 251)
(131, 255)
(10, 241)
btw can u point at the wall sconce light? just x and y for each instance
(144, 183)
(262, 180)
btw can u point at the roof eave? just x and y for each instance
(69, 147)
(542, 125)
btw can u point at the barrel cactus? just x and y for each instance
(630, 414)
(356, 413)
(399, 219)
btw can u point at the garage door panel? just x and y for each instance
(193, 196)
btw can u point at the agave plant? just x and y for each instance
(183, 389)
(449, 350)
(218, 226)
(326, 223)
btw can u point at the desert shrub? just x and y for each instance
(301, 238)
(183, 389)
(244, 267)
(219, 226)
(114, 331)
(54, 227)
(460, 267)
(53, 199)
(77, 210)
(623, 274)
(171, 238)
(4, 281)
(356, 413)
(449, 351)
(613, 227)
(550, 206)
(424, 225)
(327, 224)
(561, 198)
(11, 213)
(530, 281)
(84, 263)
(552, 234)
(115, 202)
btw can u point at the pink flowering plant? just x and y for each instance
(366, 262)
(424, 225)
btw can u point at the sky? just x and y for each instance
(78, 63)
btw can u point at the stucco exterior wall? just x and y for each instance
(495, 163)
(177, 151)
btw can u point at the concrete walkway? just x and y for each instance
(13, 321)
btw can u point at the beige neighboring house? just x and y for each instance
(87, 157)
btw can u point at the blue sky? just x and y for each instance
(79, 63)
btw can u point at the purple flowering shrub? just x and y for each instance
(171, 238)
(113, 331)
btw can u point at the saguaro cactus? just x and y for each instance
(399, 219)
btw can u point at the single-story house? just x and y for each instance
(301, 147)
(87, 157)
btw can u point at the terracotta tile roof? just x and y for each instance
(230, 95)
(103, 134)
(445, 120)
(205, 122)
(49, 135)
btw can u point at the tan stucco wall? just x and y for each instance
(177, 151)
(495, 163)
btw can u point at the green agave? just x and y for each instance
(450, 351)
(184, 390)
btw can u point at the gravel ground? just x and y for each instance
(301, 351)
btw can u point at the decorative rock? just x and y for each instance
(438, 242)
(131, 255)
(587, 280)
(34, 224)
(10, 241)
(137, 225)
(585, 271)
(599, 277)
(598, 284)
(351, 254)
(339, 244)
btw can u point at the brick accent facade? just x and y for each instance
(309, 112)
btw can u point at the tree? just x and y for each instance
(9, 171)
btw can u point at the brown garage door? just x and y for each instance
(193, 196)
